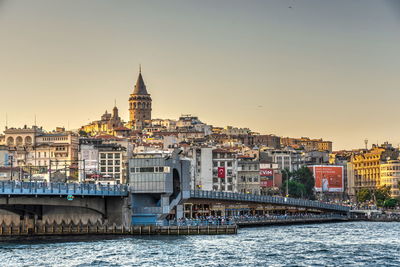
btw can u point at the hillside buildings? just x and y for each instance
(224, 159)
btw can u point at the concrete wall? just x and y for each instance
(59, 210)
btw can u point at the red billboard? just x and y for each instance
(221, 172)
(266, 177)
(328, 178)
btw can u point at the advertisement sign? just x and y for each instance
(221, 172)
(328, 178)
(267, 183)
(266, 177)
(266, 172)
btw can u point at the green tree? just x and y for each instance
(390, 203)
(363, 195)
(301, 183)
(381, 195)
(296, 189)
(305, 177)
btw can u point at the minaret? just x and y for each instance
(139, 104)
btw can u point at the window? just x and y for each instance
(117, 169)
(110, 169)
(117, 156)
(146, 169)
(103, 169)
(110, 162)
(103, 162)
(215, 164)
(109, 155)
(117, 162)
(133, 169)
(159, 169)
(222, 164)
(102, 156)
(229, 164)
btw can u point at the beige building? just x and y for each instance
(248, 175)
(307, 143)
(32, 148)
(390, 176)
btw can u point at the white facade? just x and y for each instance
(202, 169)
(227, 160)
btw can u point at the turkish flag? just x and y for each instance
(221, 172)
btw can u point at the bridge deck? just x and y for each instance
(286, 201)
(76, 189)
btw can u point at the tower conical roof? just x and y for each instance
(140, 87)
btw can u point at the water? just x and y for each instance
(333, 244)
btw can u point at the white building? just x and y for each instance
(224, 170)
(202, 168)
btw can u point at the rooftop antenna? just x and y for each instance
(115, 102)
(35, 121)
(6, 120)
(366, 143)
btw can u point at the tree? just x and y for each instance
(381, 195)
(301, 183)
(363, 195)
(305, 177)
(390, 203)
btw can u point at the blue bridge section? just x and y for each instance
(48, 189)
(284, 201)
(78, 189)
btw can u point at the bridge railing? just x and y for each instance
(43, 188)
(266, 199)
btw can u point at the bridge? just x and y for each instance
(61, 189)
(283, 201)
(95, 203)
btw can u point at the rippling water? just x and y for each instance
(335, 244)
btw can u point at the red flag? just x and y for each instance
(221, 172)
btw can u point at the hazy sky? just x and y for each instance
(327, 69)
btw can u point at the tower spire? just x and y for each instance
(140, 68)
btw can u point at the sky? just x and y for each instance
(322, 69)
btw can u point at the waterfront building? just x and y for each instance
(224, 170)
(45, 155)
(365, 172)
(390, 176)
(248, 175)
(202, 168)
(140, 105)
(102, 161)
(270, 178)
